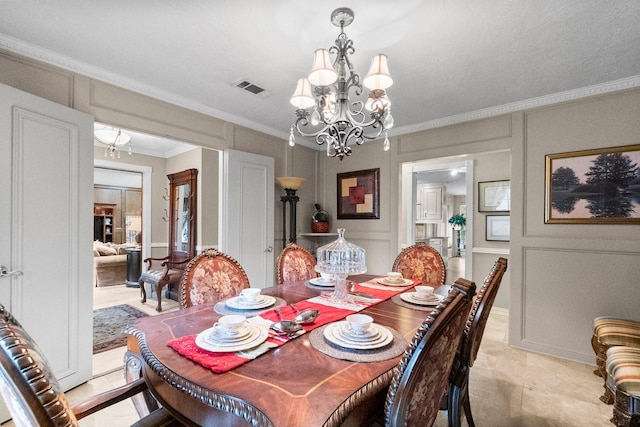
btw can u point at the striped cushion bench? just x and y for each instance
(609, 332)
(623, 371)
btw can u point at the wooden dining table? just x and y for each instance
(290, 386)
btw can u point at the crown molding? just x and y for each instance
(17, 46)
(541, 101)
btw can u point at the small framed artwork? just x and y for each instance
(359, 194)
(497, 228)
(600, 186)
(494, 196)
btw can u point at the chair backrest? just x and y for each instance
(421, 261)
(30, 391)
(210, 277)
(422, 376)
(479, 313)
(295, 263)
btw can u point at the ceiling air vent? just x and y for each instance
(249, 86)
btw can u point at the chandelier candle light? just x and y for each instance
(325, 110)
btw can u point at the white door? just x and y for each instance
(247, 214)
(46, 176)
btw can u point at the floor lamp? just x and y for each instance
(290, 186)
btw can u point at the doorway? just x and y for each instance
(436, 190)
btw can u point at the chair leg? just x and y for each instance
(143, 292)
(453, 414)
(466, 404)
(159, 295)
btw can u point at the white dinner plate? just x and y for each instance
(410, 297)
(240, 303)
(334, 332)
(319, 281)
(257, 336)
(404, 282)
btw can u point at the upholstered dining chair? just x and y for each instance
(422, 377)
(421, 261)
(209, 277)
(295, 263)
(169, 273)
(611, 332)
(458, 393)
(33, 395)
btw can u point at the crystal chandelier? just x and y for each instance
(325, 110)
(114, 139)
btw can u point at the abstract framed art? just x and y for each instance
(600, 186)
(359, 194)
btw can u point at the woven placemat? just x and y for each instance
(221, 308)
(403, 303)
(391, 350)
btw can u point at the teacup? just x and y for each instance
(359, 323)
(394, 276)
(229, 325)
(250, 294)
(424, 292)
(326, 277)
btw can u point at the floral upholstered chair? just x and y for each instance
(210, 277)
(422, 377)
(458, 394)
(33, 395)
(421, 261)
(295, 263)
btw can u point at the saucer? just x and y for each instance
(256, 336)
(410, 297)
(403, 282)
(349, 335)
(240, 303)
(319, 281)
(378, 336)
(218, 336)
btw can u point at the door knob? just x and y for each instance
(4, 271)
(269, 249)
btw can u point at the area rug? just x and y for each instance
(108, 323)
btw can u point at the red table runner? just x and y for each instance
(220, 362)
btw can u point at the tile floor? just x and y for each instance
(509, 387)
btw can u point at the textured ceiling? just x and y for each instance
(450, 60)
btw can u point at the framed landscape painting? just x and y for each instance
(359, 194)
(600, 186)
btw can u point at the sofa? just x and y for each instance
(109, 263)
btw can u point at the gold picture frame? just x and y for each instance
(600, 186)
(359, 194)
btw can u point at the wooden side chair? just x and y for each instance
(210, 277)
(611, 332)
(422, 377)
(169, 272)
(458, 394)
(421, 261)
(295, 263)
(33, 395)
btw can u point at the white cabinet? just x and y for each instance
(429, 203)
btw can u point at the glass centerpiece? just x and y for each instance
(340, 259)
